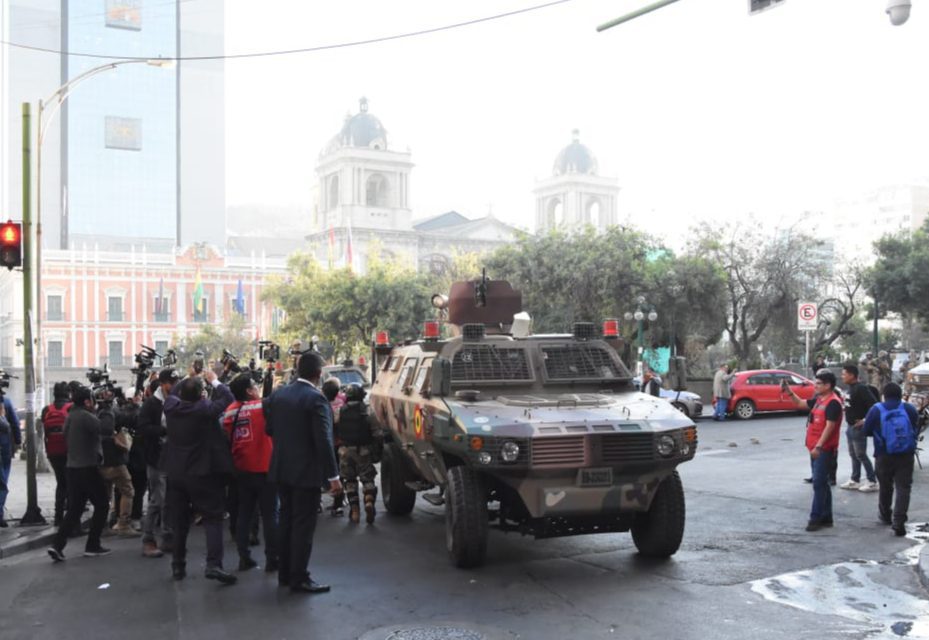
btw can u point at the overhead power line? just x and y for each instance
(286, 52)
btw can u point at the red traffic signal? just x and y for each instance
(11, 244)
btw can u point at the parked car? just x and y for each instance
(760, 390)
(686, 402)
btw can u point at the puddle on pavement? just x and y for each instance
(849, 590)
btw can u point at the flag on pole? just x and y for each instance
(159, 303)
(198, 293)
(240, 299)
(348, 252)
(331, 245)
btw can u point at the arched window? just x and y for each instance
(333, 192)
(555, 212)
(593, 214)
(376, 191)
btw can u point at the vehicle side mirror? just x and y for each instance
(440, 383)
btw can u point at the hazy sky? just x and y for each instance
(698, 109)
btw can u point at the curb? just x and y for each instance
(28, 541)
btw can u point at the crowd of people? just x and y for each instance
(892, 424)
(206, 454)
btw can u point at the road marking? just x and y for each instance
(712, 452)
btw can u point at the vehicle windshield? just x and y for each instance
(348, 376)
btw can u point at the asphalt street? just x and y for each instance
(747, 569)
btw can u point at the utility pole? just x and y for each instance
(33, 515)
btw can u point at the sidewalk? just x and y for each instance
(16, 539)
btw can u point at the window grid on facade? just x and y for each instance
(202, 314)
(54, 353)
(115, 351)
(53, 308)
(114, 308)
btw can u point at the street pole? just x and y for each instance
(807, 352)
(876, 337)
(33, 515)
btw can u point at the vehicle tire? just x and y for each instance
(465, 518)
(744, 409)
(397, 497)
(680, 406)
(658, 532)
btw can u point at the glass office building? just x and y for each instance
(120, 151)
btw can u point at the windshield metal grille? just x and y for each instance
(579, 361)
(486, 362)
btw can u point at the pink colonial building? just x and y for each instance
(99, 307)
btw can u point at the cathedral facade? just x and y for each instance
(363, 187)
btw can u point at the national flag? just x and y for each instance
(348, 251)
(240, 299)
(198, 293)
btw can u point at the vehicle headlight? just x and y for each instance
(666, 446)
(484, 458)
(509, 452)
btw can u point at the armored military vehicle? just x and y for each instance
(539, 434)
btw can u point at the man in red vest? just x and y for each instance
(822, 440)
(56, 448)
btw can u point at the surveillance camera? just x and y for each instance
(899, 11)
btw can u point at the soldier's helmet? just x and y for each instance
(354, 392)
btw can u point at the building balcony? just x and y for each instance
(201, 317)
(54, 316)
(58, 363)
(115, 316)
(161, 317)
(116, 361)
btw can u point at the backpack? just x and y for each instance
(53, 426)
(896, 430)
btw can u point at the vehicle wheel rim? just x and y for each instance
(745, 410)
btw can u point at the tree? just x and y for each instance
(580, 277)
(345, 309)
(764, 277)
(899, 278)
(211, 340)
(836, 311)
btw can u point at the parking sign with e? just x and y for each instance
(807, 316)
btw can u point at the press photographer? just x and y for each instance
(118, 419)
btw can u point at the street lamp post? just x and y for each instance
(34, 345)
(643, 310)
(51, 105)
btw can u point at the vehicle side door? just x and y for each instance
(762, 390)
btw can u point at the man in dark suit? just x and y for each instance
(197, 460)
(299, 421)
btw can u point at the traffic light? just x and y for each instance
(11, 245)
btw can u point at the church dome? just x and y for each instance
(361, 130)
(575, 158)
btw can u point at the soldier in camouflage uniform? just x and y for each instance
(360, 449)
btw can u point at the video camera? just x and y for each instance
(269, 351)
(230, 361)
(103, 389)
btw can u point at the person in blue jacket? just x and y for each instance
(11, 439)
(894, 425)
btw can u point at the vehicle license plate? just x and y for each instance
(598, 477)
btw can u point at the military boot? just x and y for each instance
(370, 496)
(354, 511)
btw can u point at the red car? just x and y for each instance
(760, 390)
